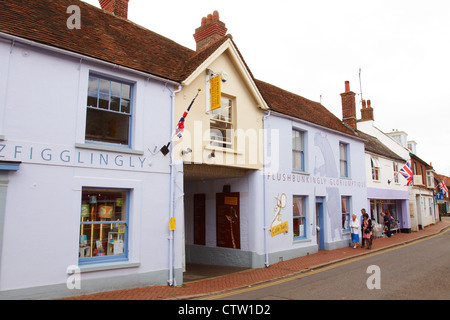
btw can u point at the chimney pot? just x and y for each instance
(367, 112)
(210, 31)
(364, 104)
(348, 106)
(347, 86)
(117, 7)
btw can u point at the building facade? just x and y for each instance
(85, 192)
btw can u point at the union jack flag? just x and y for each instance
(406, 172)
(180, 126)
(443, 187)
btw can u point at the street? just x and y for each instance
(416, 271)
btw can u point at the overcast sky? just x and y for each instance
(312, 47)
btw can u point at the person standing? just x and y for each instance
(387, 222)
(354, 225)
(363, 212)
(367, 231)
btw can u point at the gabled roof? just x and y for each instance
(290, 104)
(116, 40)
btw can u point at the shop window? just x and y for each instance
(345, 205)
(343, 159)
(299, 217)
(221, 124)
(108, 115)
(103, 226)
(298, 151)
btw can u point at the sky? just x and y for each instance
(395, 53)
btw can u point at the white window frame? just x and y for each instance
(344, 160)
(298, 152)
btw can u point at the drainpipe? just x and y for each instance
(265, 228)
(171, 281)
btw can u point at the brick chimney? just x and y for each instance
(117, 7)
(210, 31)
(348, 106)
(366, 111)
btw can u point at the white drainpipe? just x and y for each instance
(171, 280)
(265, 228)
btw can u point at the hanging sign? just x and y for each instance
(215, 91)
(279, 228)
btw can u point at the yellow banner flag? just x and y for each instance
(215, 92)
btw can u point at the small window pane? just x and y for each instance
(104, 86)
(92, 99)
(115, 88)
(115, 104)
(103, 102)
(126, 91)
(93, 84)
(125, 106)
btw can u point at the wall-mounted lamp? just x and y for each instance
(188, 150)
(212, 154)
(389, 181)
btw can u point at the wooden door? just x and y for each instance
(228, 232)
(199, 219)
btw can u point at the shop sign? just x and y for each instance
(277, 227)
(215, 92)
(280, 228)
(306, 179)
(27, 152)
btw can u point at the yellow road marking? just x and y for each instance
(320, 269)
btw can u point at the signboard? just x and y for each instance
(440, 196)
(215, 91)
(279, 228)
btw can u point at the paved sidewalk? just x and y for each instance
(255, 276)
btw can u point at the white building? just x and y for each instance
(318, 181)
(85, 197)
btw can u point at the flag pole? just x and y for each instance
(180, 126)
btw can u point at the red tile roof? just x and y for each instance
(102, 35)
(296, 106)
(113, 39)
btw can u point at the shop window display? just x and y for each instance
(345, 206)
(103, 226)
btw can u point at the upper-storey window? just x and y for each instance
(221, 124)
(343, 159)
(298, 150)
(108, 116)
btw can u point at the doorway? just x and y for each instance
(320, 230)
(228, 234)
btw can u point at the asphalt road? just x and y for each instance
(416, 271)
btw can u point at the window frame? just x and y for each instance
(129, 114)
(344, 161)
(396, 172)
(374, 162)
(348, 213)
(299, 217)
(224, 143)
(301, 150)
(126, 223)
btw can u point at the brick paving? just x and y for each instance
(255, 276)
